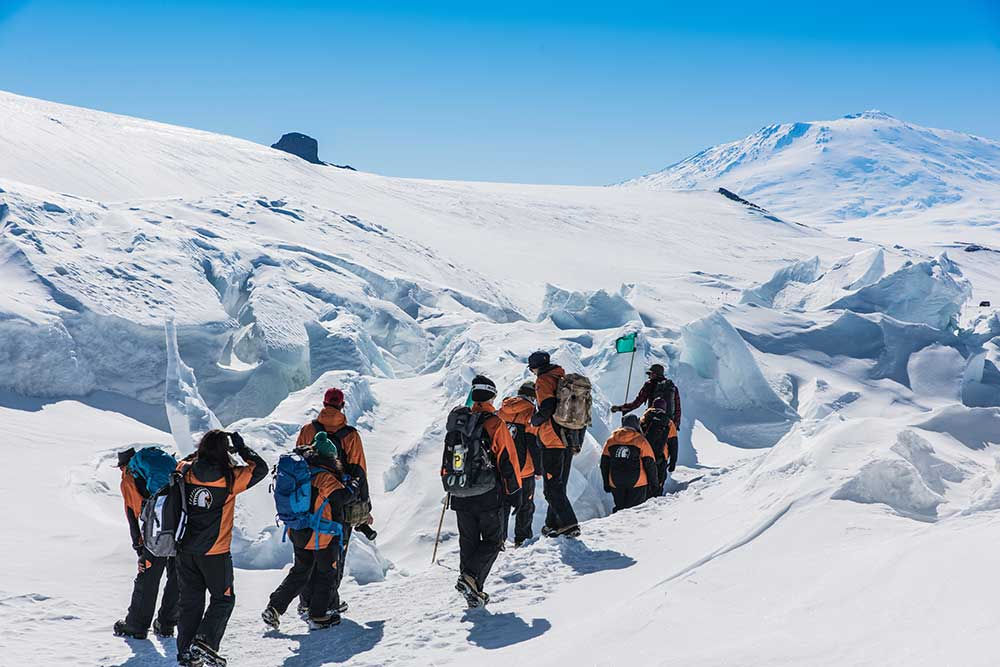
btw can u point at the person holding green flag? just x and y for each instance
(658, 385)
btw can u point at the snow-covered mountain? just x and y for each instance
(865, 165)
(839, 442)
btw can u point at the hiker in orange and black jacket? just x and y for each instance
(151, 568)
(481, 518)
(516, 411)
(352, 454)
(557, 458)
(314, 572)
(212, 482)
(628, 465)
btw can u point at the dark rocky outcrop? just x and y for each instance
(305, 147)
(301, 145)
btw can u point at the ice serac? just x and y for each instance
(725, 387)
(187, 413)
(586, 310)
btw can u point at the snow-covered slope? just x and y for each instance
(865, 165)
(839, 443)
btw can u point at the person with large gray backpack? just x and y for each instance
(562, 418)
(480, 473)
(145, 473)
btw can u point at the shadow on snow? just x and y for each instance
(493, 631)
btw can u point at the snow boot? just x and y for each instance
(271, 618)
(161, 630)
(303, 611)
(122, 630)
(185, 659)
(341, 607)
(209, 656)
(324, 622)
(485, 597)
(466, 585)
(568, 531)
(548, 532)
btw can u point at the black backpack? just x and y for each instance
(657, 431)
(666, 390)
(466, 467)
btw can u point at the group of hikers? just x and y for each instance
(180, 514)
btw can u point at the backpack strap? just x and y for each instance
(318, 426)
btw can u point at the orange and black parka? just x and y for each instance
(516, 412)
(546, 385)
(326, 488)
(628, 460)
(211, 501)
(133, 493)
(663, 441)
(333, 422)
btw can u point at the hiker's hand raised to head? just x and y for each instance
(238, 441)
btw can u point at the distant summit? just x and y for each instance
(864, 166)
(305, 147)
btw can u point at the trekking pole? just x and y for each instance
(437, 538)
(628, 385)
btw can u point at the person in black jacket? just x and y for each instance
(211, 481)
(657, 386)
(151, 568)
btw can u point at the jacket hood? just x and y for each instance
(332, 418)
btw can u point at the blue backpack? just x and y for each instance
(154, 466)
(293, 497)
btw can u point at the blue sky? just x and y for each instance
(545, 92)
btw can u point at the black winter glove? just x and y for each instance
(352, 485)
(238, 442)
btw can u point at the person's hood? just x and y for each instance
(626, 436)
(332, 419)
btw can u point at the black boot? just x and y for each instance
(122, 630)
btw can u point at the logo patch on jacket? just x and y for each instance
(623, 453)
(200, 497)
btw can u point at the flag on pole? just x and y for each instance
(625, 344)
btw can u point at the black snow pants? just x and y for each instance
(314, 576)
(524, 514)
(197, 574)
(480, 538)
(557, 464)
(145, 590)
(341, 566)
(628, 497)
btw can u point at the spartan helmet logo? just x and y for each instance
(622, 453)
(200, 497)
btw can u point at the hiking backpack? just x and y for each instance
(356, 510)
(573, 402)
(154, 467)
(293, 498)
(164, 516)
(466, 468)
(657, 432)
(666, 390)
(624, 466)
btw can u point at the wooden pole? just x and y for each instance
(437, 538)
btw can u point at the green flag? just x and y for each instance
(625, 344)
(468, 400)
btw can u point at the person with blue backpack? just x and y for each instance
(144, 473)
(310, 491)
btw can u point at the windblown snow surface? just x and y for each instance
(838, 500)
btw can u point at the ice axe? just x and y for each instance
(437, 538)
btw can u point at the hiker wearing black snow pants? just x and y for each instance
(314, 572)
(151, 568)
(212, 481)
(516, 412)
(557, 458)
(481, 517)
(352, 455)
